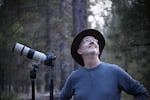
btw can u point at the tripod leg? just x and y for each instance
(33, 77)
(51, 89)
(33, 90)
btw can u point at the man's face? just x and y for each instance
(88, 45)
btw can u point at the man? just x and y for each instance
(97, 80)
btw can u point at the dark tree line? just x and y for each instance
(129, 39)
(46, 26)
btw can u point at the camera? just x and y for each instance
(23, 50)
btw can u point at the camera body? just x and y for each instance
(23, 50)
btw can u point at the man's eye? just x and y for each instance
(96, 40)
(86, 40)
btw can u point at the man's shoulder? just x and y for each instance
(76, 73)
(111, 66)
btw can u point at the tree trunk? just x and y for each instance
(79, 11)
(48, 39)
(48, 26)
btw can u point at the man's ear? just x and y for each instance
(79, 51)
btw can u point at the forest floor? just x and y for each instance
(38, 96)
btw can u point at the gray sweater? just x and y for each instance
(104, 82)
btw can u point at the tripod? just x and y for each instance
(48, 62)
(33, 77)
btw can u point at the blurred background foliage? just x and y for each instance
(50, 25)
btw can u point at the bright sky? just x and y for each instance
(99, 8)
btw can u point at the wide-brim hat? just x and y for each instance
(77, 40)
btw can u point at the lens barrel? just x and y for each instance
(23, 50)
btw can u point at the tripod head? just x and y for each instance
(49, 60)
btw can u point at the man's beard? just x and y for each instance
(93, 52)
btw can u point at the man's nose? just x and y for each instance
(92, 42)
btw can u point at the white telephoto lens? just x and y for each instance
(38, 56)
(18, 48)
(23, 50)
